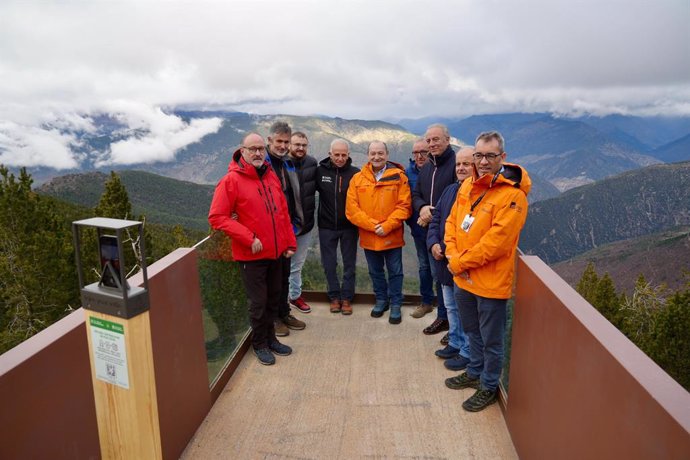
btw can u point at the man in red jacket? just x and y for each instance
(261, 233)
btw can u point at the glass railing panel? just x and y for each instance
(224, 302)
(507, 346)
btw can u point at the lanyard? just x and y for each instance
(478, 200)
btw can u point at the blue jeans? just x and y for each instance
(426, 281)
(484, 322)
(441, 312)
(456, 336)
(386, 291)
(297, 262)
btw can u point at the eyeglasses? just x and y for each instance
(488, 156)
(422, 153)
(255, 150)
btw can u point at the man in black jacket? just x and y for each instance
(277, 147)
(305, 166)
(433, 178)
(332, 181)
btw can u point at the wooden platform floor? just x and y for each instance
(355, 387)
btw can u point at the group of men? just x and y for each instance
(465, 211)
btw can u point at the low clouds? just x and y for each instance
(62, 64)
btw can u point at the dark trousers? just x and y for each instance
(283, 305)
(262, 280)
(328, 244)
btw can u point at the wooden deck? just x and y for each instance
(354, 387)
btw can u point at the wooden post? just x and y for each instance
(124, 386)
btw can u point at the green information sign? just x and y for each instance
(110, 353)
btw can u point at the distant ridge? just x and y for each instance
(163, 200)
(629, 205)
(662, 257)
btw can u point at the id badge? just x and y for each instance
(467, 222)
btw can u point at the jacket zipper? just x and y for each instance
(335, 187)
(273, 221)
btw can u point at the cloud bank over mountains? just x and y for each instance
(64, 64)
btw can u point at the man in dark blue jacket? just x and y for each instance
(332, 181)
(434, 177)
(420, 156)
(457, 353)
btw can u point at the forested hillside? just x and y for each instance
(629, 205)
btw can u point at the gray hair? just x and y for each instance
(385, 147)
(487, 136)
(339, 141)
(280, 127)
(444, 128)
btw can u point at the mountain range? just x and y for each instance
(629, 205)
(565, 152)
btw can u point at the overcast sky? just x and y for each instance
(62, 63)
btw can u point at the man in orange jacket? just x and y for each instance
(482, 233)
(378, 202)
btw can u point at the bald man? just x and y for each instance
(456, 354)
(250, 208)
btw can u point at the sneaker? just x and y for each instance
(456, 363)
(347, 308)
(447, 352)
(379, 309)
(293, 323)
(462, 381)
(279, 349)
(300, 304)
(280, 328)
(265, 356)
(439, 325)
(421, 310)
(335, 306)
(480, 400)
(445, 339)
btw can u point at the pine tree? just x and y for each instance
(607, 301)
(588, 283)
(38, 282)
(114, 202)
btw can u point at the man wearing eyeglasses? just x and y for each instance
(249, 206)
(305, 166)
(278, 146)
(482, 233)
(434, 177)
(420, 157)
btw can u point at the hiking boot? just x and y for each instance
(280, 328)
(445, 339)
(462, 381)
(335, 306)
(379, 309)
(293, 323)
(447, 352)
(395, 316)
(279, 348)
(421, 310)
(300, 304)
(265, 356)
(347, 308)
(480, 400)
(457, 363)
(439, 325)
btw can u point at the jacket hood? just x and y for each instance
(512, 175)
(238, 164)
